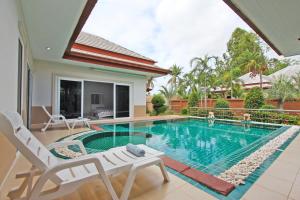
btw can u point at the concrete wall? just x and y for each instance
(9, 35)
(45, 81)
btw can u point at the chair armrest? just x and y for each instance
(68, 143)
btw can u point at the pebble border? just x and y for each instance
(240, 171)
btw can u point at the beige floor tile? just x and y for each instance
(275, 184)
(283, 170)
(291, 158)
(260, 193)
(178, 195)
(295, 192)
(196, 193)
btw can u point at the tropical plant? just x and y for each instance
(282, 89)
(193, 99)
(184, 111)
(222, 103)
(296, 82)
(176, 71)
(267, 106)
(168, 92)
(203, 71)
(254, 99)
(237, 90)
(257, 66)
(158, 102)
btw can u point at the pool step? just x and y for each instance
(208, 180)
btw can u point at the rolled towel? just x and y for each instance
(135, 150)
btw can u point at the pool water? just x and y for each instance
(209, 147)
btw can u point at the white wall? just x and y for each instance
(44, 74)
(8, 54)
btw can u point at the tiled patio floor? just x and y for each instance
(280, 181)
(282, 178)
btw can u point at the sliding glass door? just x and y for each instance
(92, 99)
(70, 98)
(98, 101)
(122, 101)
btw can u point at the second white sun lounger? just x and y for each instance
(68, 175)
(54, 120)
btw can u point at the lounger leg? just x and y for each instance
(67, 124)
(129, 183)
(47, 125)
(109, 187)
(164, 171)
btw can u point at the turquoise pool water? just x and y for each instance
(212, 148)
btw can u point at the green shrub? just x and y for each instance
(158, 102)
(254, 99)
(274, 117)
(222, 103)
(267, 106)
(184, 111)
(193, 99)
(202, 112)
(169, 112)
(223, 114)
(162, 109)
(153, 113)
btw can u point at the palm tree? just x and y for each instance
(203, 71)
(257, 65)
(175, 75)
(168, 92)
(282, 89)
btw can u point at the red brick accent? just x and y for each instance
(178, 105)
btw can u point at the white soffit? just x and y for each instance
(50, 23)
(278, 20)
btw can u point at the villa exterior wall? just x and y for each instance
(45, 75)
(12, 30)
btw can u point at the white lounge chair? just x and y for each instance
(54, 120)
(68, 175)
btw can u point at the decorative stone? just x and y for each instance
(239, 172)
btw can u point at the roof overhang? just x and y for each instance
(51, 24)
(56, 24)
(275, 21)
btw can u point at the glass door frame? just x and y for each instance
(59, 79)
(115, 100)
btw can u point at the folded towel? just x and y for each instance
(135, 150)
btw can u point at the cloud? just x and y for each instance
(168, 31)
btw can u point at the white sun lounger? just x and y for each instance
(54, 120)
(68, 175)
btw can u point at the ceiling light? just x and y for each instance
(48, 48)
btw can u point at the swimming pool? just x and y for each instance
(209, 147)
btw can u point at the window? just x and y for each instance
(20, 70)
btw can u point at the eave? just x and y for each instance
(104, 61)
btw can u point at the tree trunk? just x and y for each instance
(280, 103)
(260, 80)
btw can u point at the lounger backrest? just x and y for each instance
(46, 111)
(11, 125)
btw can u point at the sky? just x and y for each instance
(168, 31)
